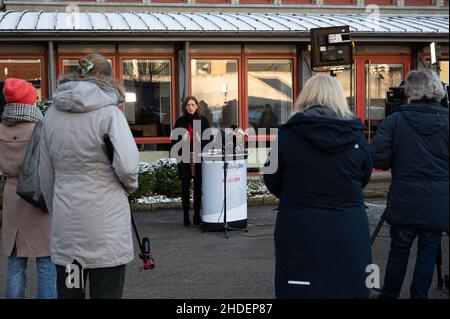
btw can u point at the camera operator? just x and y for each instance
(413, 143)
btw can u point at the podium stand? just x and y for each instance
(217, 214)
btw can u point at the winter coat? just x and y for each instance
(184, 169)
(24, 225)
(322, 241)
(413, 143)
(86, 194)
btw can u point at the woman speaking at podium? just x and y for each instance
(191, 170)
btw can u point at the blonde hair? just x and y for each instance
(326, 91)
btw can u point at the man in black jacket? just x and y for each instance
(413, 143)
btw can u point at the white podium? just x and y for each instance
(213, 208)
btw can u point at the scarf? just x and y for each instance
(15, 113)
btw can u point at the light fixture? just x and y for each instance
(130, 97)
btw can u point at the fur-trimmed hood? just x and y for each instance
(79, 94)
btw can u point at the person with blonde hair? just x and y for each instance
(322, 240)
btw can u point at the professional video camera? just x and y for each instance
(445, 101)
(396, 97)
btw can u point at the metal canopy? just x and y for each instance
(208, 23)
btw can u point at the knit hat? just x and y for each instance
(19, 91)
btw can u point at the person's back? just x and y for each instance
(419, 164)
(413, 143)
(326, 167)
(26, 229)
(322, 242)
(85, 191)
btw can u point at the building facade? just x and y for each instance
(245, 60)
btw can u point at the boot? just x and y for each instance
(187, 222)
(197, 217)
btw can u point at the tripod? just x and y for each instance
(442, 283)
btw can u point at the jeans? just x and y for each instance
(17, 278)
(401, 241)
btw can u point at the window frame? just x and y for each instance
(77, 56)
(42, 59)
(216, 56)
(122, 57)
(360, 61)
(295, 79)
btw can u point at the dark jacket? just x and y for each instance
(413, 143)
(322, 232)
(184, 169)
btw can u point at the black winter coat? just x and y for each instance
(413, 143)
(184, 169)
(322, 232)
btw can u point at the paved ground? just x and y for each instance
(191, 264)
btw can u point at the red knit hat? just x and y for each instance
(19, 91)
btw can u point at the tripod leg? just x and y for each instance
(440, 284)
(378, 228)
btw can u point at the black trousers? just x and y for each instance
(104, 283)
(185, 193)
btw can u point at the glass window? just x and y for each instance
(27, 69)
(379, 78)
(270, 92)
(270, 48)
(71, 65)
(148, 97)
(215, 85)
(347, 80)
(443, 65)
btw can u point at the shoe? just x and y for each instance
(197, 219)
(187, 222)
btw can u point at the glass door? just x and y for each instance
(378, 78)
(215, 83)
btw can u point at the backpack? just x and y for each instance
(28, 183)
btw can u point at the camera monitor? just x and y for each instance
(331, 49)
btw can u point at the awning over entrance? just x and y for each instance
(218, 24)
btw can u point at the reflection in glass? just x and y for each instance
(215, 85)
(270, 92)
(444, 71)
(71, 65)
(347, 80)
(380, 77)
(26, 69)
(148, 97)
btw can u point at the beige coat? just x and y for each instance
(23, 224)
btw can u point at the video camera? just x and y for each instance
(396, 97)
